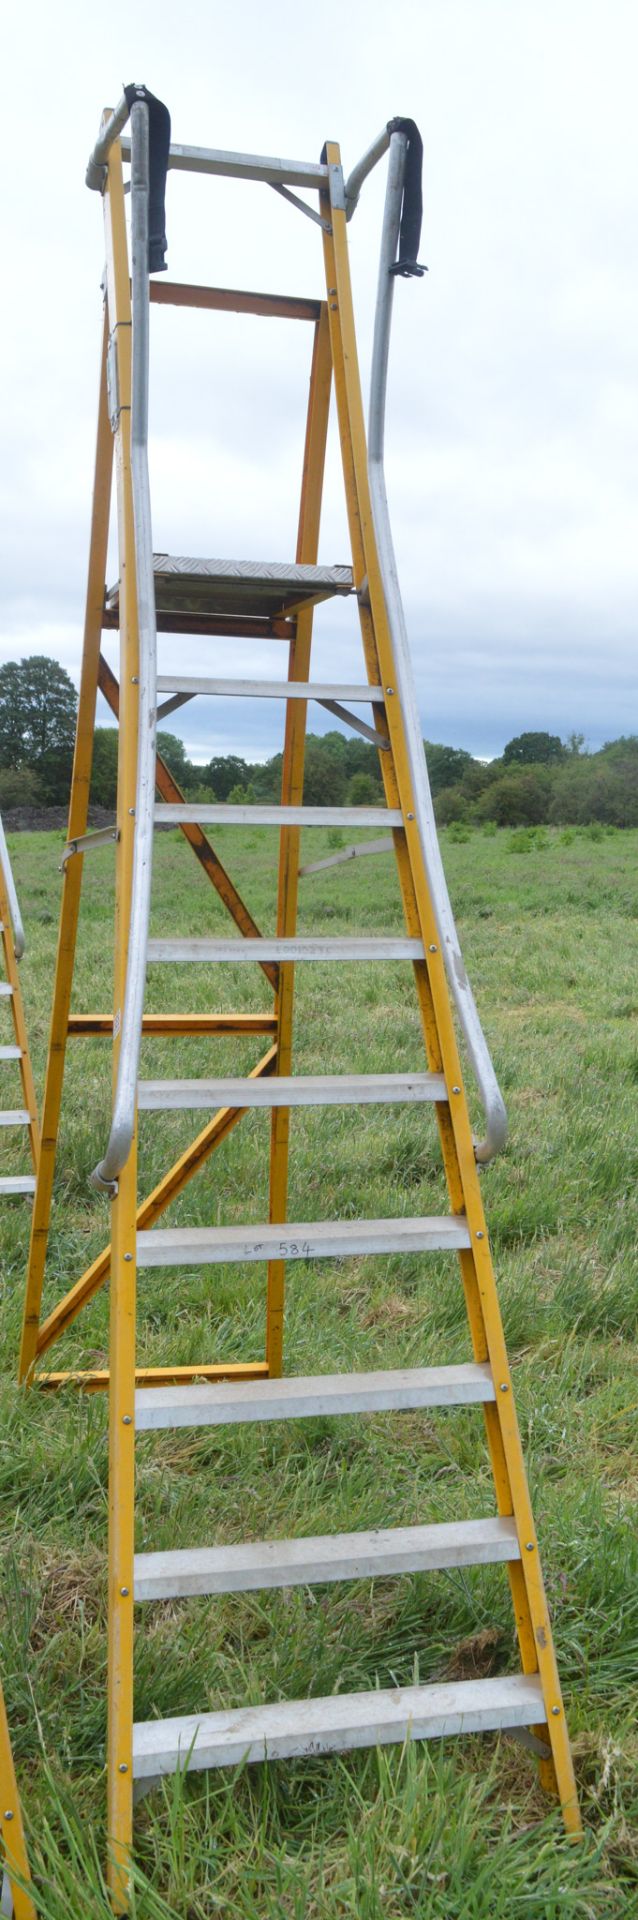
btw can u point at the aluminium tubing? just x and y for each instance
(19, 941)
(105, 1175)
(478, 1050)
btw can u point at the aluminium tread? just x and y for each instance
(222, 814)
(305, 1240)
(17, 1183)
(15, 1117)
(303, 948)
(304, 1397)
(254, 1565)
(195, 685)
(296, 1728)
(297, 1090)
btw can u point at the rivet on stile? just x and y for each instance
(124, 1592)
(555, 1710)
(480, 1234)
(409, 816)
(128, 1256)
(122, 1767)
(389, 689)
(432, 948)
(529, 1546)
(504, 1386)
(8, 1813)
(456, 1089)
(127, 1419)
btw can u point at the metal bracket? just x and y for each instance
(302, 205)
(112, 383)
(379, 740)
(337, 187)
(87, 841)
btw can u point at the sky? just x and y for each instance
(512, 426)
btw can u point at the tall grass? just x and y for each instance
(456, 1829)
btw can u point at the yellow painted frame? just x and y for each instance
(11, 1825)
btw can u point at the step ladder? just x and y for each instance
(14, 1898)
(16, 1052)
(211, 597)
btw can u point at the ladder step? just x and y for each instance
(299, 1090)
(232, 589)
(179, 1575)
(269, 689)
(233, 1403)
(15, 1117)
(309, 1240)
(10, 1053)
(17, 1183)
(297, 1728)
(5, 988)
(204, 813)
(304, 948)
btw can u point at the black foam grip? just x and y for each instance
(412, 207)
(159, 140)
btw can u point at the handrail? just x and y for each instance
(364, 166)
(105, 1175)
(489, 1090)
(19, 941)
(96, 169)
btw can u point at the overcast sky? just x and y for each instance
(512, 429)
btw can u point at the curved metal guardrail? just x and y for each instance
(105, 1175)
(19, 941)
(478, 1050)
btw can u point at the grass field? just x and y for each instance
(458, 1831)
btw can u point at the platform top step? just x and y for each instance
(256, 588)
(384, 1552)
(311, 1396)
(295, 1090)
(303, 1240)
(296, 1728)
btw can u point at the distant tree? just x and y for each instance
(324, 773)
(38, 704)
(19, 787)
(225, 772)
(446, 765)
(532, 749)
(104, 773)
(173, 751)
(363, 791)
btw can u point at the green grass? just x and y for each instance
(459, 1829)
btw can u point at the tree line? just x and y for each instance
(539, 779)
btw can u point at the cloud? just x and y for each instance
(513, 405)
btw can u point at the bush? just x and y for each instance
(450, 806)
(19, 787)
(520, 798)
